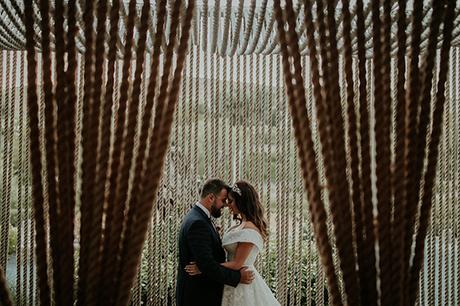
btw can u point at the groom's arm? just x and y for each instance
(200, 243)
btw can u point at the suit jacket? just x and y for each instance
(199, 242)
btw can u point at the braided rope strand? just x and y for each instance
(22, 178)
(34, 128)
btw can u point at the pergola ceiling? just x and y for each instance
(226, 27)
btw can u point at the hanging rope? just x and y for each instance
(258, 137)
(283, 228)
(398, 170)
(213, 102)
(250, 120)
(245, 105)
(28, 284)
(11, 76)
(450, 109)
(221, 120)
(281, 285)
(448, 224)
(196, 131)
(311, 257)
(382, 100)
(8, 106)
(21, 245)
(207, 121)
(238, 119)
(455, 100)
(267, 99)
(368, 270)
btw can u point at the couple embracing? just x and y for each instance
(216, 271)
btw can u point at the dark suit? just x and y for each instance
(199, 242)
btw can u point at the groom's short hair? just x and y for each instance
(213, 186)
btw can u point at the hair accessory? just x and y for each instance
(236, 189)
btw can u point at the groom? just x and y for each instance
(200, 242)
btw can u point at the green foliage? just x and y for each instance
(13, 240)
(14, 217)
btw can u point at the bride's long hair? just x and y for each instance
(248, 203)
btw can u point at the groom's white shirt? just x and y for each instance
(206, 211)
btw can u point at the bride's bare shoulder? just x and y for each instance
(249, 224)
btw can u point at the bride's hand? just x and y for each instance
(192, 269)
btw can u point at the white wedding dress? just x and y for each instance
(257, 293)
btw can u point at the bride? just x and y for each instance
(243, 242)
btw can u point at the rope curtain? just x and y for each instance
(114, 201)
(403, 208)
(244, 107)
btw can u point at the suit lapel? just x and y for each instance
(215, 231)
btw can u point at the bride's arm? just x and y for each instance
(243, 250)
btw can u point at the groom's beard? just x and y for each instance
(215, 212)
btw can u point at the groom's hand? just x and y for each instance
(192, 269)
(247, 276)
